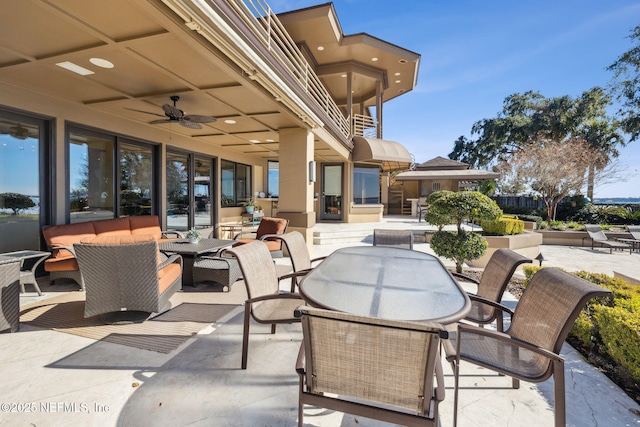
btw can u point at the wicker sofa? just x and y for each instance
(60, 240)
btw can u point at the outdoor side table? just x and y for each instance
(223, 270)
(229, 230)
(9, 294)
(28, 275)
(250, 218)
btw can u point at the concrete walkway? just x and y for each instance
(52, 378)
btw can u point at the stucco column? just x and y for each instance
(295, 201)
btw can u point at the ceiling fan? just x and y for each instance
(174, 114)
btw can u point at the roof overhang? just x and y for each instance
(390, 155)
(465, 175)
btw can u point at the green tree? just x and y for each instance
(626, 86)
(448, 207)
(530, 117)
(16, 202)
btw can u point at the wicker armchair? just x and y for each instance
(127, 277)
(9, 294)
(298, 252)
(370, 367)
(529, 349)
(393, 238)
(491, 286)
(265, 303)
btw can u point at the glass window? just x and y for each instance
(136, 179)
(366, 185)
(177, 191)
(273, 178)
(235, 183)
(91, 194)
(20, 182)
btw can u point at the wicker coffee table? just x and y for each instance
(28, 275)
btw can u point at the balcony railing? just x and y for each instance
(365, 126)
(258, 16)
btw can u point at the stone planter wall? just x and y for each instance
(526, 244)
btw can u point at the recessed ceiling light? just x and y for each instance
(255, 141)
(374, 59)
(398, 81)
(320, 48)
(403, 61)
(102, 63)
(270, 140)
(343, 75)
(230, 122)
(396, 74)
(67, 65)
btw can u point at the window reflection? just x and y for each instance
(19, 185)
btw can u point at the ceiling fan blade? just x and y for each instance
(172, 111)
(157, 122)
(190, 125)
(146, 112)
(195, 118)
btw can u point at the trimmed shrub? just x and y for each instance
(620, 332)
(503, 227)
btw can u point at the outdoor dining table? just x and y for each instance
(388, 283)
(190, 252)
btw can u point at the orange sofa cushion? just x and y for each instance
(112, 227)
(146, 224)
(272, 245)
(167, 276)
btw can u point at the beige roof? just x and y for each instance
(442, 163)
(461, 174)
(390, 154)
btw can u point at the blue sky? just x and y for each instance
(476, 53)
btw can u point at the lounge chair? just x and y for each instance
(597, 236)
(370, 367)
(393, 238)
(265, 303)
(529, 349)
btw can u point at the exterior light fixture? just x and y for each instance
(312, 171)
(540, 258)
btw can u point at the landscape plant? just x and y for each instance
(446, 208)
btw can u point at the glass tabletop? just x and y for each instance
(24, 254)
(388, 283)
(184, 246)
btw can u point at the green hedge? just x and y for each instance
(503, 227)
(609, 325)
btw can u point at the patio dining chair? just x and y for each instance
(529, 349)
(374, 368)
(491, 286)
(265, 302)
(298, 252)
(393, 238)
(596, 234)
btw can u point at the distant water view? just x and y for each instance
(615, 200)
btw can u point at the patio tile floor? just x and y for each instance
(69, 380)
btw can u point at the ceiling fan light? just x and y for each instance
(68, 65)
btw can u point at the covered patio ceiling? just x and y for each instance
(154, 55)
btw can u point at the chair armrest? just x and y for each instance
(292, 276)
(300, 361)
(321, 258)
(465, 277)
(493, 304)
(440, 387)
(270, 236)
(289, 295)
(170, 260)
(501, 336)
(243, 233)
